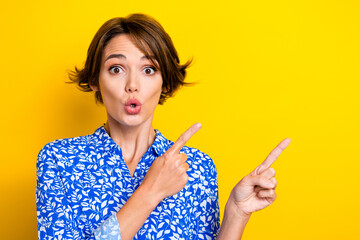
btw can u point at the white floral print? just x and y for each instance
(82, 182)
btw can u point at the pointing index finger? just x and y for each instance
(274, 154)
(181, 141)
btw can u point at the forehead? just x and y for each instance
(121, 43)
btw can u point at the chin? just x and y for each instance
(132, 120)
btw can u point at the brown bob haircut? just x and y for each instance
(150, 37)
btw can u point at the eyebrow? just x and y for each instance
(123, 56)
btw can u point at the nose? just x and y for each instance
(132, 83)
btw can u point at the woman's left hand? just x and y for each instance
(257, 190)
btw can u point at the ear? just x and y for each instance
(94, 88)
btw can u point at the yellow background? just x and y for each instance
(267, 70)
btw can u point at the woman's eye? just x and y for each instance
(115, 69)
(149, 70)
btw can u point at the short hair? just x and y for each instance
(150, 37)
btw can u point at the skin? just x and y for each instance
(254, 192)
(121, 79)
(134, 76)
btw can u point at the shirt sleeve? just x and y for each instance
(109, 230)
(54, 213)
(208, 215)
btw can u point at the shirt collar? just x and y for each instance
(160, 145)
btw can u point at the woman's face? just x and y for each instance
(130, 85)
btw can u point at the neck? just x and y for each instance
(133, 140)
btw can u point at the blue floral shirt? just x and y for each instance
(82, 182)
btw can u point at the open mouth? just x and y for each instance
(133, 106)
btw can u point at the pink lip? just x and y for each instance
(133, 106)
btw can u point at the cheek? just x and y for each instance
(109, 89)
(157, 89)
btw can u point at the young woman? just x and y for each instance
(126, 180)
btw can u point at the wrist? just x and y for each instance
(149, 195)
(234, 210)
(234, 222)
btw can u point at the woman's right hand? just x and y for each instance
(167, 174)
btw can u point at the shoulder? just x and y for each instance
(197, 159)
(59, 150)
(56, 146)
(200, 163)
(66, 142)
